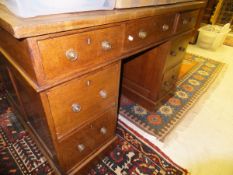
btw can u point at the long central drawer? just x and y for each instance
(78, 101)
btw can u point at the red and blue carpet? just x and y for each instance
(19, 155)
(132, 154)
(196, 75)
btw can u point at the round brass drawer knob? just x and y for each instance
(182, 49)
(103, 130)
(142, 34)
(76, 107)
(130, 38)
(71, 55)
(88, 82)
(81, 147)
(173, 53)
(165, 27)
(106, 45)
(103, 94)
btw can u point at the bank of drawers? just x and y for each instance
(61, 56)
(87, 139)
(84, 109)
(173, 63)
(177, 52)
(169, 80)
(142, 32)
(78, 101)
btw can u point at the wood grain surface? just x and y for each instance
(28, 27)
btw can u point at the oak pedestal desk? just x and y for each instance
(63, 72)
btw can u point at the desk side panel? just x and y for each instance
(17, 52)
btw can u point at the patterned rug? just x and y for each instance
(134, 155)
(131, 154)
(229, 41)
(19, 155)
(196, 74)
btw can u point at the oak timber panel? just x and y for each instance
(87, 46)
(169, 80)
(21, 28)
(142, 32)
(17, 51)
(142, 75)
(90, 136)
(84, 92)
(187, 20)
(177, 52)
(35, 116)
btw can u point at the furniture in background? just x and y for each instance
(226, 13)
(209, 11)
(223, 13)
(62, 72)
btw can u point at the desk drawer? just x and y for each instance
(187, 20)
(78, 101)
(78, 52)
(143, 32)
(178, 47)
(86, 140)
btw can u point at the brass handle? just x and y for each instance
(103, 94)
(81, 147)
(165, 27)
(173, 53)
(88, 82)
(181, 48)
(103, 130)
(185, 21)
(106, 45)
(130, 38)
(76, 107)
(71, 55)
(142, 34)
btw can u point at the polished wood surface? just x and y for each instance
(86, 93)
(16, 50)
(169, 80)
(142, 32)
(151, 75)
(87, 45)
(177, 51)
(90, 137)
(22, 28)
(187, 20)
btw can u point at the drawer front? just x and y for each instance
(139, 33)
(187, 20)
(169, 80)
(89, 138)
(78, 52)
(143, 32)
(175, 56)
(164, 26)
(80, 100)
(178, 48)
